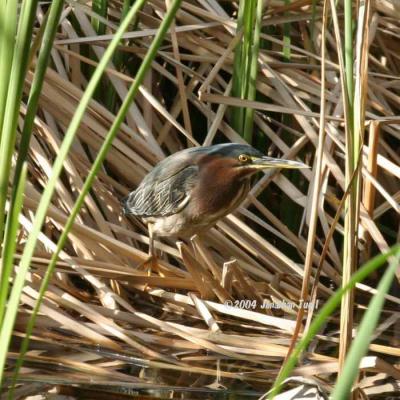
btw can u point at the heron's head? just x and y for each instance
(242, 160)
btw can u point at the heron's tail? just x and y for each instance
(125, 204)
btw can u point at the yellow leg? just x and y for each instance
(151, 263)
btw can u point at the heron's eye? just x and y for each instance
(243, 158)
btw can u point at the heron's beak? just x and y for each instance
(270, 162)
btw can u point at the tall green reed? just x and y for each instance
(245, 66)
(145, 66)
(356, 93)
(15, 44)
(354, 100)
(51, 22)
(366, 329)
(17, 75)
(100, 8)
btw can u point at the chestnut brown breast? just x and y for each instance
(222, 187)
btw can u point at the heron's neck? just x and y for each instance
(218, 193)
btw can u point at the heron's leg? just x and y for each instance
(152, 250)
(153, 259)
(150, 264)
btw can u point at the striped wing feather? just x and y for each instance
(162, 197)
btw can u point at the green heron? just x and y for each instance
(189, 191)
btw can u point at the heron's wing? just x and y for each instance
(155, 197)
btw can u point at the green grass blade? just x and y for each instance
(313, 19)
(37, 83)
(249, 15)
(44, 55)
(145, 66)
(286, 37)
(10, 243)
(348, 48)
(8, 23)
(327, 310)
(99, 7)
(366, 329)
(251, 93)
(12, 308)
(3, 6)
(353, 203)
(14, 93)
(245, 63)
(238, 69)
(119, 59)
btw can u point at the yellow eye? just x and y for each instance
(243, 158)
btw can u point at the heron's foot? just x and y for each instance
(149, 265)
